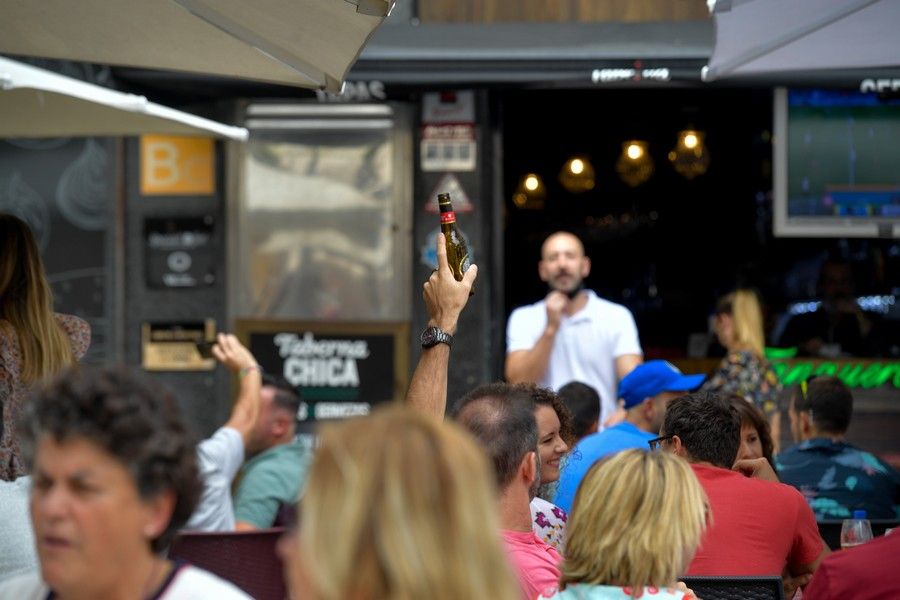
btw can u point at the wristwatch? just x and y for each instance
(432, 336)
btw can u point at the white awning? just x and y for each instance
(39, 103)
(765, 37)
(307, 43)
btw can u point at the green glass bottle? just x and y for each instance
(457, 252)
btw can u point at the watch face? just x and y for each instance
(433, 336)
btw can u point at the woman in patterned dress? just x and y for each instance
(744, 370)
(35, 342)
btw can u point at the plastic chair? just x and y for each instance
(245, 558)
(736, 588)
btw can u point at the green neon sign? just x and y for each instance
(854, 375)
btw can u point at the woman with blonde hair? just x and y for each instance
(635, 524)
(745, 371)
(35, 342)
(397, 506)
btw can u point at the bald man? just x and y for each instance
(572, 334)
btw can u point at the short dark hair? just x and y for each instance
(132, 418)
(829, 402)
(286, 396)
(751, 415)
(501, 417)
(583, 402)
(708, 425)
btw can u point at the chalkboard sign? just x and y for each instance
(340, 369)
(64, 188)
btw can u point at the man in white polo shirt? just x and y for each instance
(572, 334)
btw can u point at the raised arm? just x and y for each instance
(445, 299)
(231, 353)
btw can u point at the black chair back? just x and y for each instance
(736, 588)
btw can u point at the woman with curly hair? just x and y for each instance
(555, 437)
(114, 474)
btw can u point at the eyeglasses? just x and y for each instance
(656, 443)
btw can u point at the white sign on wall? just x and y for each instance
(448, 132)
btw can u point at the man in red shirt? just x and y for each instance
(867, 572)
(756, 527)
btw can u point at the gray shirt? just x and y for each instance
(17, 554)
(219, 458)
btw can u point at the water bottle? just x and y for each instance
(856, 531)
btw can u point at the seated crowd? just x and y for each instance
(509, 497)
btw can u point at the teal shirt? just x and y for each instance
(837, 478)
(268, 480)
(585, 591)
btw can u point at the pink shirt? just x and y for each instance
(535, 563)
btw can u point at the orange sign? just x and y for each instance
(177, 166)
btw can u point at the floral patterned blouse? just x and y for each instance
(548, 522)
(13, 390)
(746, 375)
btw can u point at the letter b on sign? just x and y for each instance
(176, 166)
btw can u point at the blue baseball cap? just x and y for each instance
(655, 377)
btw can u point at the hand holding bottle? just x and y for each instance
(445, 297)
(457, 252)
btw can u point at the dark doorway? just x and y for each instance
(666, 248)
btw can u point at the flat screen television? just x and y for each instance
(836, 164)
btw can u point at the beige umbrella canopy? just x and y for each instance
(767, 37)
(306, 43)
(39, 103)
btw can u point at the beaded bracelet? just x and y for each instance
(243, 372)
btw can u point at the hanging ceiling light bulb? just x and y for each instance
(577, 175)
(530, 193)
(690, 140)
(635, 165)
(690, 157)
